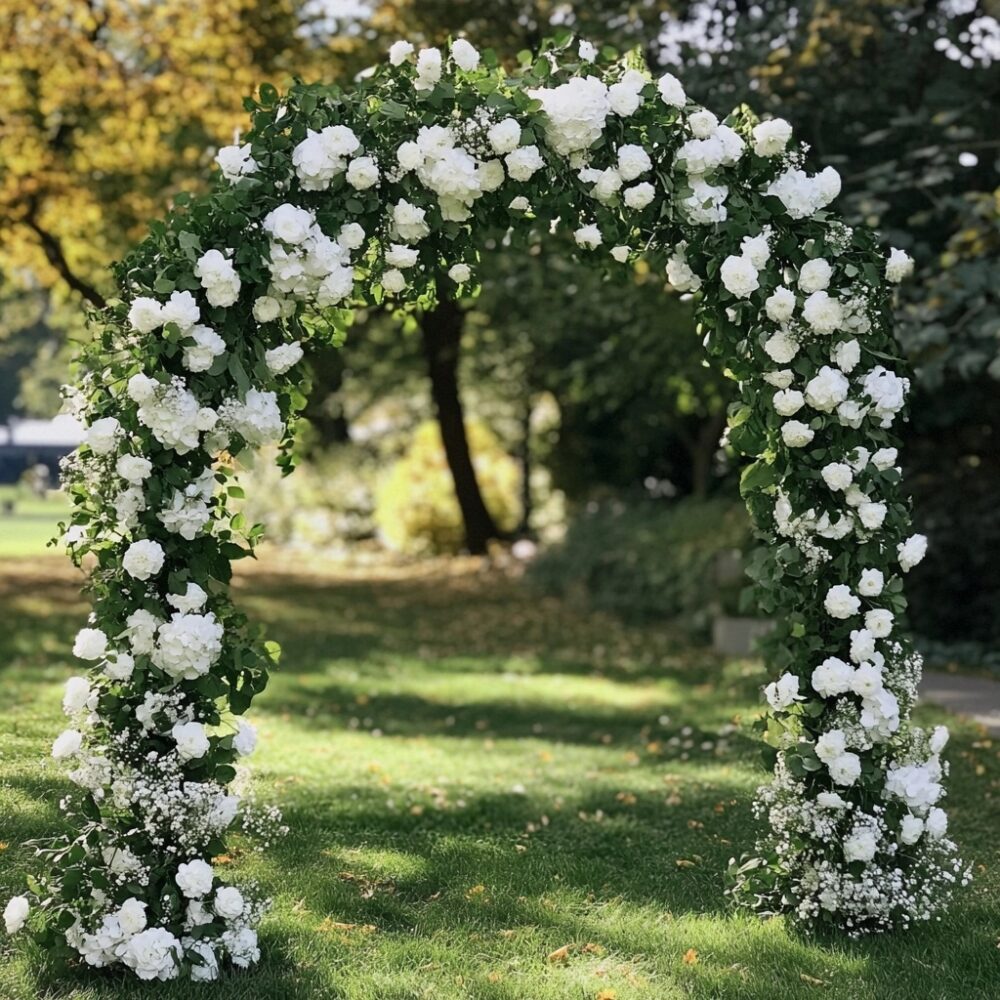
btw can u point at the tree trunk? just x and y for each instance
(441, 332)
(706, 445)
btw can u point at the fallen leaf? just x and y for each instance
(607, 995)
(592, 949)
(690, 957)
(329, 925)
(560, 954)
(811, 981)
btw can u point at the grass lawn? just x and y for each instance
(494, 797)
(27, 522)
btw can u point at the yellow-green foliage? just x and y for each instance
(415, 508)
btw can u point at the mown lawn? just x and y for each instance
(490, 796)
(28, 522)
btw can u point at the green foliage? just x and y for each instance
(648, 561)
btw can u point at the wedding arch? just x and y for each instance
(337, 199)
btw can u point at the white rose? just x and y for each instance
(815, 275)
(851, 413)
(837, 475)
(910, 829)
(141, 388)
(145, 314)
(466, 55)
(783, 692)
(132, 916)
(393, 280)
(788, 402)
(879, 622)
(288, 224)
(67, 744)
(207, 970)
(351, 236)
(133, 469)
(845, 769)
(936, 823)
(872, 515)
(90, 644)
(207, 346)
(911, 552)
(119, 666)
(771, 137)
(899, 266)
(15, 913)
(505, 136)
(588, 236)
(871, 583)
(846, 355)
(633, 162)
(182, 310)
(781, 347)
(827, 389)
(192, 743)
(362, 173)
(823, 313)
(428, 69)
(830, 800)
(194, 878)
(143, 559)
(283, 357)
(409, 221)
(840, 602)
(885, 458)
(831, 745)
(862, 645)
(245, 740)
(624, 99)
(76, 695)
(460, 273)
(739, 276)
(102, 435)
(621, 253)
(671, 91)
(756, 249)
(153, 954)
(409, 156)
(860, 846)
(780, 304)
(639, 195)
(780, 379)
(401, 256)
(228, 902)
(796, 434)
(832, 677)
(702, 123)
(236, 162)
(587, 51)
(399, 52)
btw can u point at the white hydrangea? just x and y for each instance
(188, 645)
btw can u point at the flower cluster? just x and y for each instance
(342, 199)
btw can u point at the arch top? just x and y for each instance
(342, 198)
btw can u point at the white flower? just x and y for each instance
(228, 902)
(207, 970)
(393, 280)
(466, 55)
(899, 266)
(145, 314)
(504, 136)
(846, 355)
(141, 388)
(830, 800)
(245, 740)
(832, 677)
(671, 91)
(119, 666)
(143, 559)
(459, 273)
(399, 52)
(351, 236)
(15, 913)
(188, 645)
(796, 434)
(939, 739)
(90, 644)
(639, 195)
(783, 692)
(862, 645)
(840, 602)
(575, 111)
(739, 276)
(831, 745)
(76, 696)
(879, 622)
(141, 627)
(845, 769)
(193, 599)
(837, 475)
(182, 310)
(624, 98)
(241, 944)
(871, 583)
(207, 346)
(823, 313)
(860, 846)
(401, 256)
(133, 469)
(428, 69)
(815, 275)
(409, 221)
(885, 458)
(153, 954)
(236, 162)
(771, 137)
(621, 253)
(887, 392)
(780, 304)
(936, 824)
(867, 680)
(872, 515)
(362, 173)
(827, 389)
(910, 829)
(218, 277)
(587, 51)
(103, 435)
(633, 162)
(67, 744)
(781, 347)
(788, 402)
(194, 878)
(588, 236)
(257, 418)
(132, 916)
(288, 224)
(702, 123)
(803, 195)
(756, 249)
(192, 743)
(283, 357)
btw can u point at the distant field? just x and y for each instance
(28, 522)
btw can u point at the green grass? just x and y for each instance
(475, 779)
(26, 530)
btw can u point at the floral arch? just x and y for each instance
(336, 199)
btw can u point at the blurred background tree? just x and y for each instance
(596, 380)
